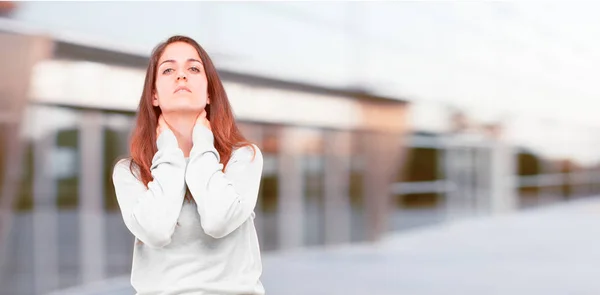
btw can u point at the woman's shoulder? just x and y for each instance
(125, 166)
(123, 163)
(249, 152)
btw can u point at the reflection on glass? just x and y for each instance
(422, 165)
(117, 129)
(65, 167)
(268, 197)
(44, 232)
(528, 165)
(315, 224)
(3, 151)
(356, 189)
(24, 198)
(311, 146)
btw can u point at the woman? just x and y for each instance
(189, 190)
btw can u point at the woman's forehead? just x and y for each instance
(179, 52)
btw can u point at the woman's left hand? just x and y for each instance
(202, 120)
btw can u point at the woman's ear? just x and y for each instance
(154, 99)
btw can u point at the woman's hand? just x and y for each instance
(162, 126)
(202, 120)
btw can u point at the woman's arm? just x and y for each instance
(151, 213)
(225, 200)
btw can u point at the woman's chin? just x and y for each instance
(184, 108)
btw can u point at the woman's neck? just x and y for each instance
(182, 125)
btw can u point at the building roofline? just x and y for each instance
(77, 47)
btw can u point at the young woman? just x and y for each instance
(189, 190)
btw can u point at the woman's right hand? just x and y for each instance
(162, 125)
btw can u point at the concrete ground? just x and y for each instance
(550, 250)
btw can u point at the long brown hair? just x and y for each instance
(226, 133)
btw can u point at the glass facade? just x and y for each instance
(67, 223)
(65, 228)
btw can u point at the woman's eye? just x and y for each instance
(167, 71)
(195, 69)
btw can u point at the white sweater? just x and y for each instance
(206, 247)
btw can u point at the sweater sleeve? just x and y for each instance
(151, 213)
(225, 200)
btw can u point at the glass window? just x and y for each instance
(48, 197)
(313, 169)
(118, 240)
(422, 165)
(529, 165)
(117, 130)
(268, 196)
(356, 189)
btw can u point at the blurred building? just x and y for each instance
(344, 161)
(70, 110)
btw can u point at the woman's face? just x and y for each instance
(181, 84)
